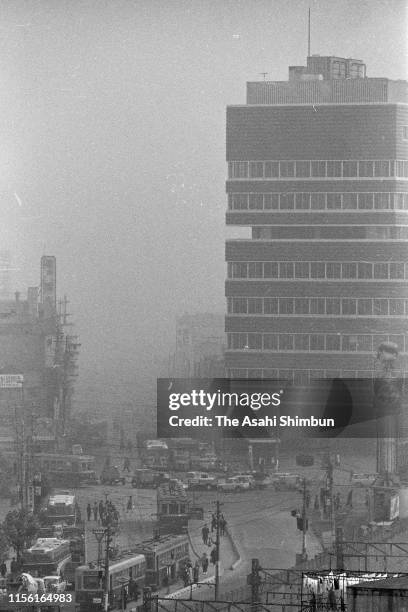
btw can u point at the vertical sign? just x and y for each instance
(30, 498)
(49, 280)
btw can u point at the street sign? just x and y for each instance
(11, 381)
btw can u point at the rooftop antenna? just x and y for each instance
(264, 75)
(308, 35)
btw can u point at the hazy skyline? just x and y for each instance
(113, 121)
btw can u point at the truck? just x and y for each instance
(148, 479)
(111, 476)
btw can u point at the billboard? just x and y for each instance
(394, 507)
(49, 280)
(11, 381)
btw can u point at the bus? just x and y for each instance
(48, 556)
(66, 470)
(129, 570)
(61, 509)
(156, 454)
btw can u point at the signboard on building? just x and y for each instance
(394, 507)
(49, 280)
(30, 498)
(11, 381)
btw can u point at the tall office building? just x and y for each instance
(317, 170)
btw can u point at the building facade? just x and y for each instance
(200, 345)
(318, 170)
(34, 345)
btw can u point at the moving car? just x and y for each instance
(237, 483)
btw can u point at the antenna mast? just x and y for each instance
(308, 35)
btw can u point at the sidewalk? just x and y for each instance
(228, 556)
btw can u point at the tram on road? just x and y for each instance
(172, 508)
(165, 558)
(127, 571)
(66, 470)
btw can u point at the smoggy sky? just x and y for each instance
(113, 150)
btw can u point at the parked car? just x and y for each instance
(201, 480)
(242, 482)
(111, 475)
(363, 480)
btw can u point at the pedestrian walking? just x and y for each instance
(125, 597)
(312, 602)
(213, 556)
(95, 511)
(204, 563)
(13, 566)
(205, 533)
(3, 570)
(88, 511)
(126, 465)
(223, 524)
(331, 600)
(196, 572)
(213, 522)
(101, 509)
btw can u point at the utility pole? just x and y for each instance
(255, 581)
(304, 522)
(217, 552)
(106, 581)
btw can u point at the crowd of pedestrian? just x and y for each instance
(103, 513)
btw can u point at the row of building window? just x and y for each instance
(318, 201)
(287, 169)
(326, 306)
(318, 270)
(301, 376)
(346, 343)
(330, 232)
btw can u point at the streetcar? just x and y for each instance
(66, 470)
(166, 557)
(128, 571)
(172, 508)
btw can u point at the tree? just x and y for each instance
(4, 546)
(20, 527)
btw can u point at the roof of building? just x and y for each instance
(390, 583)
(165, 540)
(171, 489)
(61, 498)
